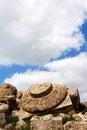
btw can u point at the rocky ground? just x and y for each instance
(42, 107)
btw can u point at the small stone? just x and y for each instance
(2, 119)
(80, 117)
(4, 108)
(9, 126)
(21, 114)
(20, 125)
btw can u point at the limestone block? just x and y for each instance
(80, 117)
(71, 125)
(7, 89)
(46, 123)
(74, 95)
(83, 126)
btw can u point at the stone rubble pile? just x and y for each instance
(42, 99)
(49, 122)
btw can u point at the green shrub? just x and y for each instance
(27, 120)
(69, 118)
(11, 119)
(84, 111)
(14, 119)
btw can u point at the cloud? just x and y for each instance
(32, 32)
(70, 71)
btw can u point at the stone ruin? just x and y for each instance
(47, 96)
(42, 99)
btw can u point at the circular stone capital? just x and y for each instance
(48, 100)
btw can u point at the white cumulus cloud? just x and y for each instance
(70, 71)
(32, 32)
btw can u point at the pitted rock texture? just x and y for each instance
(65, 103)
(47, 122)
(2, 119)
(21, 114)
(7, 89)
(4, 108)
(8, 94)
(40, 90)
(71, 125)
(49, 99)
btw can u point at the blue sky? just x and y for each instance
(44, 41)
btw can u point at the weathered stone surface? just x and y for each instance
(54, 95)
(65, 106)
(21, 114)
(4, 108)
(41, 90)
(7, 89)
(71, 125)
(8, 97)
(2, 129)
(19, 106)
(8, 103)
(74, 95)
(20, 125)
(82, 126)
(66, 102)
(9, 126)
(2, 119)
(19, 97)
(41, 97)
(46, 123)
(4, 93)
(64, 117)
(80, 117)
